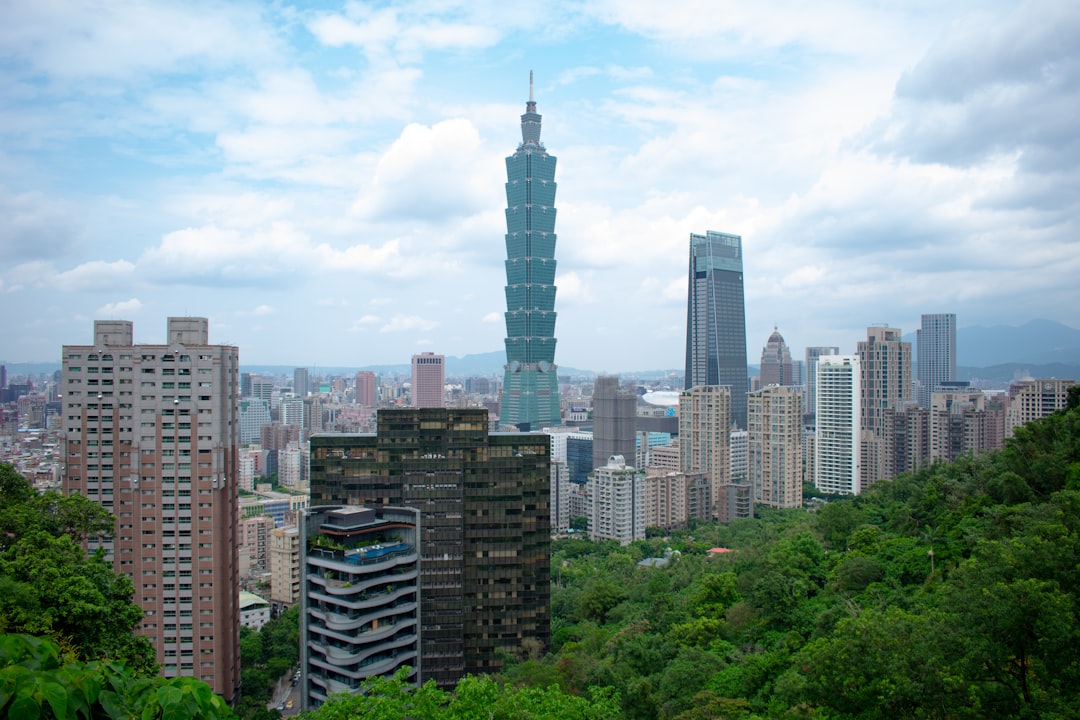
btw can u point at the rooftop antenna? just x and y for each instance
(531, 86)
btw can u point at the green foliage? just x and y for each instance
(265, 657)
(49, 586)
(950, 592)
(35, 684)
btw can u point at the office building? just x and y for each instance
(935, 347)
(812, 355)
(886, 388)
(705, 447)
(775, 361)
(428, 380)
(152, 432)
(360, 606)
(254, 413)
(366, 389)
(530, 391)
(836, 447)
(484, 513)
(291, 411)
(774, 446)
(716, 319)
(617, 502)
(300, 382)
(614, 413)
(579, 456)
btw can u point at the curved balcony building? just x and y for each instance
(360, 606)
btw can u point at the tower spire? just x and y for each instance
(531, 86)
(530, 121)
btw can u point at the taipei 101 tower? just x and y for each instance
(530, 392)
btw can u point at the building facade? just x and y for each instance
(360, 605)
(366, 389)
(485, 517)
(812, 354)
(617, 502)
(716, 318)
(774, 446)
(428, 380)
(705, 447)
(776, 367)
(836, 447)
(935, 347)
(152, 432)
(614, 413)
(1031, 400)
(530, 391)
(885, 389)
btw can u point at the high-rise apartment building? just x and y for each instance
(812, 355)
(775, 361)
(366, 389)
(530, 392)
(716, 318)
(886, 388)
(285, 565)
(1030, 400)
(837, 450)
(774, 446)
(484, 510)
(617, 502)
(360, 608)
(254, 413)
(428, 380)
(614, 413)
(152, 433)
(291, 411)
(935, 348)
(705, 447)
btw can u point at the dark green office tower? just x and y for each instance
(484, 510)
(530, 393)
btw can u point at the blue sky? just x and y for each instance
(324, 181)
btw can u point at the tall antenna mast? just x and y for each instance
(530, 86)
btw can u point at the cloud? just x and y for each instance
(95, 275)
(34, 227)
(210, 255)
(125, 307)
(408, 323)
(258, 311)
(365, 322)
(388, 32)
(492, 317)
(432, 174)
(573, 289)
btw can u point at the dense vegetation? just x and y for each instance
(266, 657)
(947, 593)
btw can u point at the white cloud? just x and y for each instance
(365, 322)
(573, 289)
(492, 317)
(95, 275)
(408, 323)
(123, 307)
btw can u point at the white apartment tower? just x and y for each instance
(837, 461)
(617, 502)
(152, 433)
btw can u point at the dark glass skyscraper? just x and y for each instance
(530, 393)
(716, 318)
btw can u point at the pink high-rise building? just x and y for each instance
(366, 392)
(428, 379)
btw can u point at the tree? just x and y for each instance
(35, 684)
(49, 586)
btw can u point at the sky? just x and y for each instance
(325, 181)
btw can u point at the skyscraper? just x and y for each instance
(366, 395)
(300, 382)
(885, 364)
(837, 450)
(428, 380)
(935, 347)
(530, 393)
(614, 412)
(152, 432)
(483, 500)
(812, 354)
(716, 318)
(775, 361)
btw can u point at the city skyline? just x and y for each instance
(261, 165)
